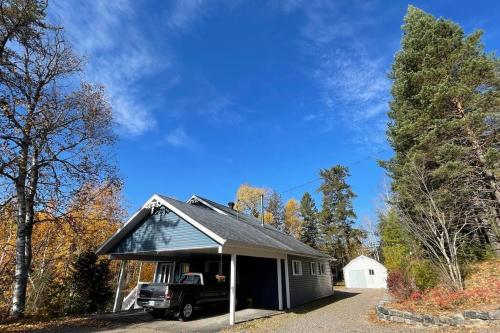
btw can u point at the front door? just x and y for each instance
(164, 272)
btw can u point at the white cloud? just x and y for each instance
(119, 55)
(352, 80)
(185, 13)
(180, 139)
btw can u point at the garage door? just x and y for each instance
(357, 279)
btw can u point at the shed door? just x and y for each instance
(357, 279)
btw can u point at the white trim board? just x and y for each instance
(207, 204)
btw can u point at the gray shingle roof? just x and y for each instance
(241, 228)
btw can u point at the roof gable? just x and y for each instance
(162, 231)
(364, 259)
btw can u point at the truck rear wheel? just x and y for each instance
(186, 310)
(157, 313)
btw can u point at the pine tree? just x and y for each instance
(444, 123)
(337, 216)
(309, 213)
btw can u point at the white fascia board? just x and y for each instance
(251, 251)
(207, 204)
(192, 221)
(160, 252)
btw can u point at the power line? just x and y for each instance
(319, 178)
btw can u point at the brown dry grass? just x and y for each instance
(33, 323)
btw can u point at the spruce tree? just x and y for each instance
(91, 279)
(309, 213)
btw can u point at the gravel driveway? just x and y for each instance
(349, 310)
(346, 311)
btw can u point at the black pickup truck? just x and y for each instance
(180, 299)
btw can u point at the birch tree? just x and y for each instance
(441, 223)
(55, 130)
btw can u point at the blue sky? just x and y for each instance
(208, 95)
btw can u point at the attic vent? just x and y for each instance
(230, 205)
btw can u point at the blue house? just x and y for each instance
(266, 267)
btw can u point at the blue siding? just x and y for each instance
(307, 287)
(162, 232)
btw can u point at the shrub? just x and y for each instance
(399, 284)
(416, 296)
(91, 284)
(424, 275)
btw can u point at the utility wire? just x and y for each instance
(319, 178)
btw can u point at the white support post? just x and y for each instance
(121, 280)
(287, 284)
(139, 275)
(232, 291)
(156, 271)
(280, 288)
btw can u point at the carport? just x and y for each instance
(192, 236)
(254, 282)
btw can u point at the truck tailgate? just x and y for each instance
(153, 290)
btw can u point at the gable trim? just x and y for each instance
(207, 204)
(141, 213)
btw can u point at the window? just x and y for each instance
(322, 269)
(296, 267)
(184, 267)
(190, 279)
(314, 268)
(371, 271)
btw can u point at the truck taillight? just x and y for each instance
(167, 295)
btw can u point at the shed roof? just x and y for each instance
(363, 258)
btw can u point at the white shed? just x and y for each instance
(364, 272)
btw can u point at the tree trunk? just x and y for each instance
(28, 249)
(21, 277)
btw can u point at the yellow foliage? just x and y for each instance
(268, 217)
(248, 199)
(293, 222)
(94, 215)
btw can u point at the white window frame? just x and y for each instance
(297, 272)
(314, 268)
(322, 270)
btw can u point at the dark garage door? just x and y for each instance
(257, 284)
